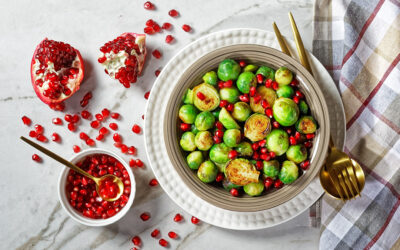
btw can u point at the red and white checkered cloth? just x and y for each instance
(358, 41)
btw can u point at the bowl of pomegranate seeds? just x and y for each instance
(78, 194)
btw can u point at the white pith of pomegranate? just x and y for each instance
(56, 72)
(123, 58)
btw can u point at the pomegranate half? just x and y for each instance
(123, 58)
(56, 71)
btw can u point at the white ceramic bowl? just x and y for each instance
(74, 214)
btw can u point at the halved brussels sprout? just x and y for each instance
(254, 189)
(257, 127)
(245, 81)
(278, 141)
(297, 153)
(227, 120)
(211, 100)
(303, 106)
(267, 72)
(306, 125)
(188, 97)
(266, 93)
(285, 111)
(187, 141)
(241, 172)
(271, 168)
(250, 68)
(283, 76)
(285, 91)
(204, 121)
(210, 78)
(219, 153)
(203, 140)
(207, 172)
(241, 111)
(244, 149)
(228, 69)
(289, 172)
(229, 94)
(194, 159)
(232, 137)
(188, 113)
(229, 185)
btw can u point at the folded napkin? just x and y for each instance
(358, 41)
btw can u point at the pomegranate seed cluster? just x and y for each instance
(81, 191)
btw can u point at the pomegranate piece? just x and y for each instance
(178, 217)
(57, 121)
(153, 182)
(123, 58)
(136, 129)
(156, 53)
(232, 154)
(145, 216)
(136, 241)
(169, 39)
(172, 235)
(173, 13)
(166, 26)
(113, 126)
(26, 120)
(76, 148)
(56, 72)
(163, 242)
(186, 28)
(36, 158)
(195, 220)
(148, 5)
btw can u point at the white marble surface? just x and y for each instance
(31, 216)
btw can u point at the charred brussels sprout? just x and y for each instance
(229, 185)
(271, 168)
(187, 141)
(241, 172)
(188, 113)
(306, 125)
(244, 149)
(250, 68)
(210, 78)
(283, 76)
(204, 121)
(207, 172)
(219, 153)
(241, 111)
(228, 69)
(194, 159)
(227, 120)
(297, 153)
(285, 91)
(257, 127)
(229, 94)
(267, 72)
(232, 137)
(254, 189)
(245, 81)
(278, 141)
(188, 97)
(289, 172)
(266, 93)
(303, 106)
(285, 111)
(203, 140)
(211, 98)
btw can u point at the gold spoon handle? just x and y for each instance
(281, 40)
(58, 158)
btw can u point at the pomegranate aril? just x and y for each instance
(186, 28)
(219, 133)
(132, 150)
(230, 107)
(173, 13)
(299, 94)
(136, 129)
(68, 118)
(268, 112)
(85, 114)
(219, 125)
(150, 22)
(148, 5)
(117, 137)
(36, 158)
(296, 99)
(71, 127)
(194, 220)
(103, 131)
(272, 154)
(136, 241)
(76, 148)
(132, 163)
(264, 104)
(305, 164)
(57, 121)
(75, 119)
(157, 72)
(169, 39)
(115, 115)
(139, 163)
(26, 120)
(255, 146)
(156, 27)
(149, 30)
(275, 124)
(268, 182)
(268, 83)
(124, 148)
(310, 136)
(155, 233)
(278, 184)
(275, 85)
(292, 140)
(166, 26)
(216, 139)
(156, 53)
(234, 192)
(41, 138)
(244, 98)
(163, 242)
(145, 216)
(252, 91)
(32, 133)
(153, 182)
(95, 124)
(55, 137)
(99, 137)
(90, 142)
(83, 136)
(220, 177)
(222, 103)
(232, 154)
(113, 126)
(39, 129)
(178, 217)
(242, 63)
(259, 165)
(260, 78)
(308, 144)
(146, 95)
(99, 117)
(105, 113)
(297, 136)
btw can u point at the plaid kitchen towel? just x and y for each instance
(358, 41)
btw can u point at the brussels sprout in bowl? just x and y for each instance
(222, 136)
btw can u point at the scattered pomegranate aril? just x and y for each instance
(172, 235)
(265, 157)
(146, 95)
(132, 163)
(222, 103)
(139, 163)
(305, 164)
(76, 148)
(90, 142)
(257, 98)
(36, 158)
(310, 136)
(260, 78)
(55, 137)
(145, 216)
(294, 83)
(289, 131)
(173, 13)
(153, 182)
(255, 146)
(148, 5)
(263, 150)
(262, 143)
(216, 139)
(264, 104)
(276, 124)
(220, 84)
(259, 165)
(234, 192)
(268, 83)
(39, 129)
(296, 99)
(113, 126)
(256, 156)
(244, 98)
(155, 233)
(95, 124)
(299, 94)
(57, 106)
(136, 129)
(68, 118)
(169, 39)
(219, 133)
(232, 154)
(41, 138)
(157, 72)
(308, 144)
(278, 184)
(136, 241)
(268, 182)
(292, 140)
(228, 84)
(275, 85)
(83, 136)
(297, 135)
(252, 91)
(156, 53)
(75, 119)
(272, 154)
(99, 117)
(32, 134)
(220, 177)
(115, 115)
(150, 22)
(149, 30)
(166, 26)
(26, 120)
(105, 113)
(230, 107)
(117, 137)
(242, 63)
(219, 125)
(186, 28)
(268, 112)
(178, 217)
(85, 114)
(132, 150)
(57, 121)
(163, 242)
(99, 137)
(71, 127)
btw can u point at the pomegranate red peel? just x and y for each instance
(55, 78)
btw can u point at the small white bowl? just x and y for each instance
(74, 214)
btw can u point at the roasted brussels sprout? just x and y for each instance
(204, 121)
(278, 141)
(188, 97)
(297, 153)
(306, 125)
(210, 78)
(228, 69)
(194, 159)
(187, 141)
(283, 76)
(216, 113)
(303, 106)
(229, 94)
(229, 185)
(207, 172)
(254, 189)
(220, 166)
(241, 172)
(245, 81)
(266, 93)
(203, 140)
(227, 120)
(285, 91)
(250, 68)
(241, 111)
(232, 137)
(285, 111)
(194, 129)
(289, 172)
(211, 98)
(188, 113)
(257, 127)
(244, 149)
(271, 168)
(219, 153)
(267, 72)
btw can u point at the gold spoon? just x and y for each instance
(98, 181)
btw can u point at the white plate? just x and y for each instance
(156, 148)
